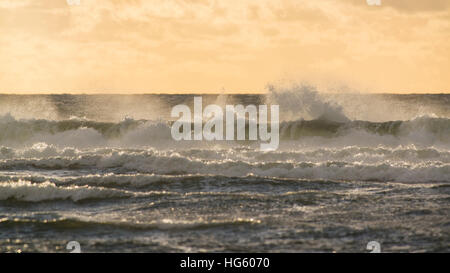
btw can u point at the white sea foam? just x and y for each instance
(407, 165)
(35, 192)
(318, 141)
(78, 133)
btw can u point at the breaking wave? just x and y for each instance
(318, 141)
(31, 192)
(76, 132)
(407, 165)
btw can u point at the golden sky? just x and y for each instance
(142, 46)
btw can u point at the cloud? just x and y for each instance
(205, 45)
(11, 4)
(409, 5)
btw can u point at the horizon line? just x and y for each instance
(212, 93)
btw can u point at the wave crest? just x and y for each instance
(46, 191)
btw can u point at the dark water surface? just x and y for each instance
(103, 170)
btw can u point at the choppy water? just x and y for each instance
(103, 171)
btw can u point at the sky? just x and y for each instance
(233, 46)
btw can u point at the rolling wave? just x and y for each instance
(73, 131)
(377, 168)
(343, 171)
(47, 191)
(438, 128)
(162, 224)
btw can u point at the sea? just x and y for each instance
(104, 171)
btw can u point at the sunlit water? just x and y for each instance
(104, 171)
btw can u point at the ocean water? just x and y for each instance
(103, 170)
